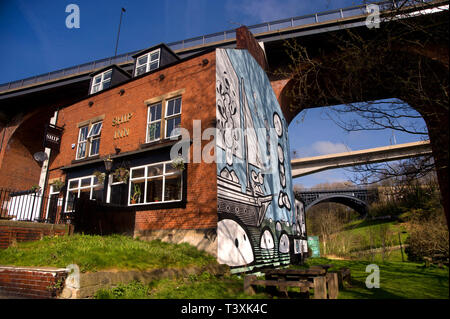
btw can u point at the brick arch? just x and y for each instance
(435, 118)
(22, 137)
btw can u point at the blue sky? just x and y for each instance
(35, 40)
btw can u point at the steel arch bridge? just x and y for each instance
(355, 198)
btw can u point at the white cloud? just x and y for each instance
(321, 148)
(327, 147)
(265, 10)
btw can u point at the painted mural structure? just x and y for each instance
(259, 222)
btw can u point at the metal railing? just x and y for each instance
(32, 206)
(258, 29)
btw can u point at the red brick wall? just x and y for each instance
(246, 40)
(19, 170)
(21, 282)
(20, 139)
(12, 232)
(198, 103)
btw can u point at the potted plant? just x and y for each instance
(100, 176)
(178, 163)
(136, 194)
(121, 174)
(35, 188)
(58, 184)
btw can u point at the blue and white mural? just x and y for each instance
(257, 215)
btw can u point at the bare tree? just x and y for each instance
(388, 78)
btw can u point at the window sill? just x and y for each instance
(160, 143)
(87, 159)
(159, 206)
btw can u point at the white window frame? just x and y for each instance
(89, 139)
(92, 137)
(146, 178)
(111, 183)
(51, 192)
(102, 81)
(79, 188)
(147, 139)
(147, 64)
(82, 142)
(168, 117)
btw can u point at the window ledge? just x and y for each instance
(94, 158)
(160, 143)
(159, 206)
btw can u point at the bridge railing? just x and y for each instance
(257, 29)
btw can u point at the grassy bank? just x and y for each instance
(362, 235)
(93, 253)
(398, 280)
(204, 286)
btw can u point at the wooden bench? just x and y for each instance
(344, 276)
(305, 279)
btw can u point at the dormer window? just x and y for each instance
(147, 62)
(101, 81)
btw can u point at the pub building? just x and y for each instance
(115, 151)
(115, 145)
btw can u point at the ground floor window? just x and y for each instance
(155, 183)
(117, 191)
(86, 187)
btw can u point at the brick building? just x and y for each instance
(121, 145)
(130, 122)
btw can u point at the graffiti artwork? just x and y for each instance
(257, 218)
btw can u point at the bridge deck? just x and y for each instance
(214, 39)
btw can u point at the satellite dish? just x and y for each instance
(40, 156)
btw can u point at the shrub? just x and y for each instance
(428, 235)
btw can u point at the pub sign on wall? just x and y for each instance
(52, 137)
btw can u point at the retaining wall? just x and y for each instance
(12, 232)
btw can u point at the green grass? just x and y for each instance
(93, 253)
(362, 229)
(204, 286)
(398, 280)
(364, 234)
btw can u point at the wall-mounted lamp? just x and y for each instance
(108, 164)
(162, 77)
(122, 91)
(90, 103)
